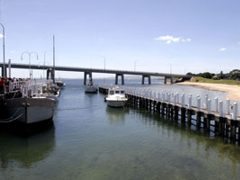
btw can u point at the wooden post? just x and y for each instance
(190, 102)
(206, 101)
(216, 104)
(199, 120)
(221, 113)
(199, 103)
(228, 106)
(183, 100)
(209, 105)
(235, 111)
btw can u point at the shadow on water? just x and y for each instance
(26, 145)
(24, 130)
(172, 129)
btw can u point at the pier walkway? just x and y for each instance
(217, 117)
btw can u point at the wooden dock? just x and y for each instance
(215, 117)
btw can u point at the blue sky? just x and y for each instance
(150, 35)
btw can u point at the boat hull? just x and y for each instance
(116, 103)
(31, 110)
(91, 89)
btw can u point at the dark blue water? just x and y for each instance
(90, 141)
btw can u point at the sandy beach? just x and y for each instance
(233, 91)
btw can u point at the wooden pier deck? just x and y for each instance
(214, 117)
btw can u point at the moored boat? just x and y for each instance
(116, 97)
(90, 87)
(26, 103)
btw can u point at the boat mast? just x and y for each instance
(53, 59)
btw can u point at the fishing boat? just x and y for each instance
(27, 104)
(116, 97)
(90, 87)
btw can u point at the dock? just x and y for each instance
(212, 116)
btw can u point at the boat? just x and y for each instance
(90, 87)
(116, 97)
(27, 104)
(60, 84)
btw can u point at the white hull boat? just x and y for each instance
(116, 97)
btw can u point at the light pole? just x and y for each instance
(3, 47)
(29, 58)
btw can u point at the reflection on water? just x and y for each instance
(26, 149)
(116, 115)
(91, 141)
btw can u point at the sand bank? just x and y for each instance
(233, 91)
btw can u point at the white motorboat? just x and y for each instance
(90, 87)
(116, 97)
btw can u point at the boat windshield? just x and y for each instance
(111, 92)
(122, 92)
(117, 92)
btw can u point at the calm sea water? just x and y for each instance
(89, 141)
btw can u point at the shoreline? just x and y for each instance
(232, 91)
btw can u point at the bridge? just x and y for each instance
(50, 72)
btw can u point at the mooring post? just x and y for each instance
(199, 103)
(190, 102)
(206, 101)
(216, 103)
(163, 97)
(209, 105)
(221, 109)
(235, 111)
(228, 106)
(199, 120)
(175, 99)
(183, 115)
(183, 100)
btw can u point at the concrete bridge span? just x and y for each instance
(50, 72)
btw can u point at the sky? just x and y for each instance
(177, 36)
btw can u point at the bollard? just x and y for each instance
(221, 109)
(209, 105)
(199, 103)
(206, 101)
(159, 97)
(216, 103)
(235, 111)
(183, 100)
(175, 99)
(190, 101)
(228, 106)
(169, 97)
(163, 97)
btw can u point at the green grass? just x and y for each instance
(221, 81)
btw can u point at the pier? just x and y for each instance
(214, 117)
(50, 72)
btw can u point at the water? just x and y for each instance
(90, 141)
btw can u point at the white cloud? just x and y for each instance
(168, 39)
(222, 49)
(1, 35)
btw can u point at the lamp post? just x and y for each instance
(29, 58)
(3, 47)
